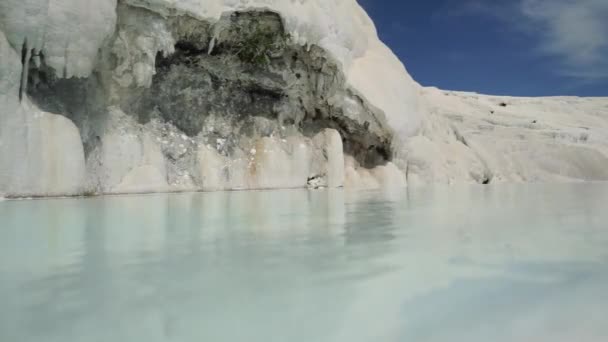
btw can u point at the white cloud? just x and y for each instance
(574, 31)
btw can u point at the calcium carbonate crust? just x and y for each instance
(473, 138)
(133, 96)
(90, 64)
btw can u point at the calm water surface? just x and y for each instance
(497, 263)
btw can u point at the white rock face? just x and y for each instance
(41, 154)
(276, 164)
(68, 32)
(477, 138)
(328, 160)
(126, 160)
(45, 154)
(150, 95)
(384, 176)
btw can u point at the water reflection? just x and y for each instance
(424, 265)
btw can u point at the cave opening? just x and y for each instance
(250, 69)
(82, 100)
(248, 77)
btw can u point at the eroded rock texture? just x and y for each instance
(178, 103)
(106, 96)
(223, 79)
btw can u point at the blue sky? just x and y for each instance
(503, 47)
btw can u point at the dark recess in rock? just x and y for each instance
(251, 82)
(79, 99)
(252, 70)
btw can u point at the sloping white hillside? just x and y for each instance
(478, 138)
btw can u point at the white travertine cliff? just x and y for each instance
(129, 96)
